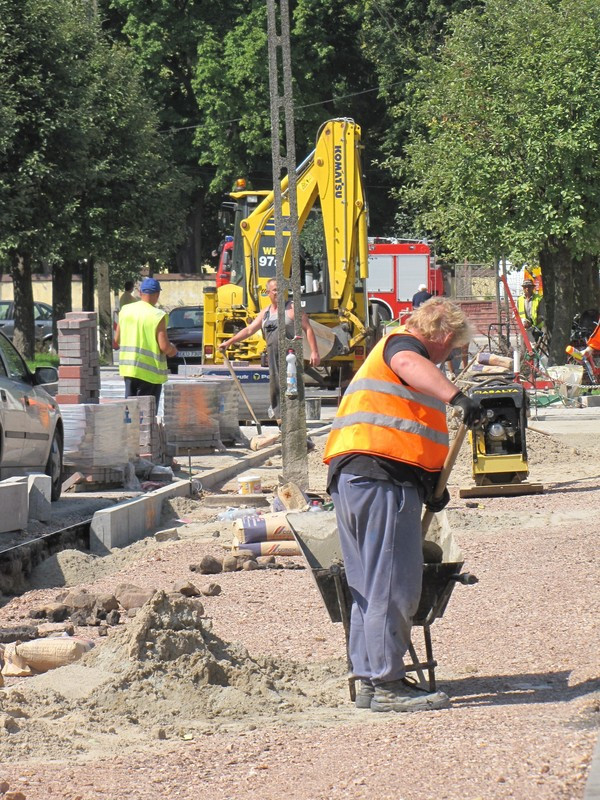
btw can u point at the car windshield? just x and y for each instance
(186, 318)
(15, 366)
(4, 310)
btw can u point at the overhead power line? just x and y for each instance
(307, 105)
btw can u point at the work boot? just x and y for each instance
(364, 694)
(404, 696)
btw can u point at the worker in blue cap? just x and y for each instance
(143, 344)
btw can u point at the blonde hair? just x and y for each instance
(438, 317)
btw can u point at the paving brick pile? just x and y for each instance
(79, 371)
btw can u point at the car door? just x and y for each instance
(13, 413)
(43, 320)
(7, 323)
(35, 403)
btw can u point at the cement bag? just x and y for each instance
(41, 655)
(268, 548)
(268, 528)
(493, 360)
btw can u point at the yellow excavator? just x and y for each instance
(330, 192)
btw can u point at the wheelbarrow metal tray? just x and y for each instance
(319, 542)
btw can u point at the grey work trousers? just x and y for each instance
(379, 524)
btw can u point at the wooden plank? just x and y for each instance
(502, 490)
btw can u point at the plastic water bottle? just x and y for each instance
(292, 375)
(237, 513)
(576, 354)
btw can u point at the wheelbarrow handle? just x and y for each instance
(444, 475)
(466, 578)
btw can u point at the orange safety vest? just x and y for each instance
(381, 416)
(594, 340)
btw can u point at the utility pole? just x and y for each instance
(295, 461)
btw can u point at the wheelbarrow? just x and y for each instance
(317, 537)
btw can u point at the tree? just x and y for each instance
(43, 86)
(504, 153)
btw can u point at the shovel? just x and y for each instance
(236, 380)
(444, 475)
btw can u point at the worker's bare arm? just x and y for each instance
(117, 338)
(249, 330)
(423, 375)
(163, 340)
(315, 358)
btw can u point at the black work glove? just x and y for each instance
(472, 410)
(435, 505)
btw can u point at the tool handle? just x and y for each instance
(236, 380)
(444, 475)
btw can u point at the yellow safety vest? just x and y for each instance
(139, 354)
(536, 299)
(381, 416)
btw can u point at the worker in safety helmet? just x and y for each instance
(143, 344)
(387, 445)
(530, 306)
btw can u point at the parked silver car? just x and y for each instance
(42, 316)
(31, 428)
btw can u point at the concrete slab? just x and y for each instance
(578, 427)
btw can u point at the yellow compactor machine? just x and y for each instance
(499, 445)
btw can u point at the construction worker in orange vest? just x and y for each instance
(387, 445)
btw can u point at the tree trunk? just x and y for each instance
(586, 284)
(87, 285)
(558, 274)
(62, 300)
(24, 335)
(104, 312)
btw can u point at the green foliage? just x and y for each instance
(505, 160)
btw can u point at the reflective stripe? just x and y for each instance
(395, 423)
(125, 362)
(139, 350)
(384, 387)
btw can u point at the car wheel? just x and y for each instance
(55, 465)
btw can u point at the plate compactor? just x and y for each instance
(499, 445)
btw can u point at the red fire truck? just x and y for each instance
(397, 267)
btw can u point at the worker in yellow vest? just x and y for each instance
(530, 306)
(387, 445)
(143, 344)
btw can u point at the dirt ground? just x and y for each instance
(244, 694)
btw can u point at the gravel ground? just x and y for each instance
(259, 706)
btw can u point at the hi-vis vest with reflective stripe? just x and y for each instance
(139, 354)
(381, 416)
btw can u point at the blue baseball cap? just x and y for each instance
(150, 286)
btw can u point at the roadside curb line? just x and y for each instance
(592, 786)
(136, 518)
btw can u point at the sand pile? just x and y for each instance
(165, 675)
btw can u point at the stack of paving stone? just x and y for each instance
(150, 431)
(253, 379)
(131, 418)
(191, 417)
(94, 441)
(226, 401)
(79, 370)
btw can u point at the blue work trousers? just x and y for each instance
(379, 524)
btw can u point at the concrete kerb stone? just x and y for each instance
(14, 495)
(131, 520)
(592, 787)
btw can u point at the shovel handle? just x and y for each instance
(236, 380)
(444, 475)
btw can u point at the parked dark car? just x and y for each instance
(42, 315)
(31, 428)
(185, 332)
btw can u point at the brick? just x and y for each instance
(70, 372)
(66, 399)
